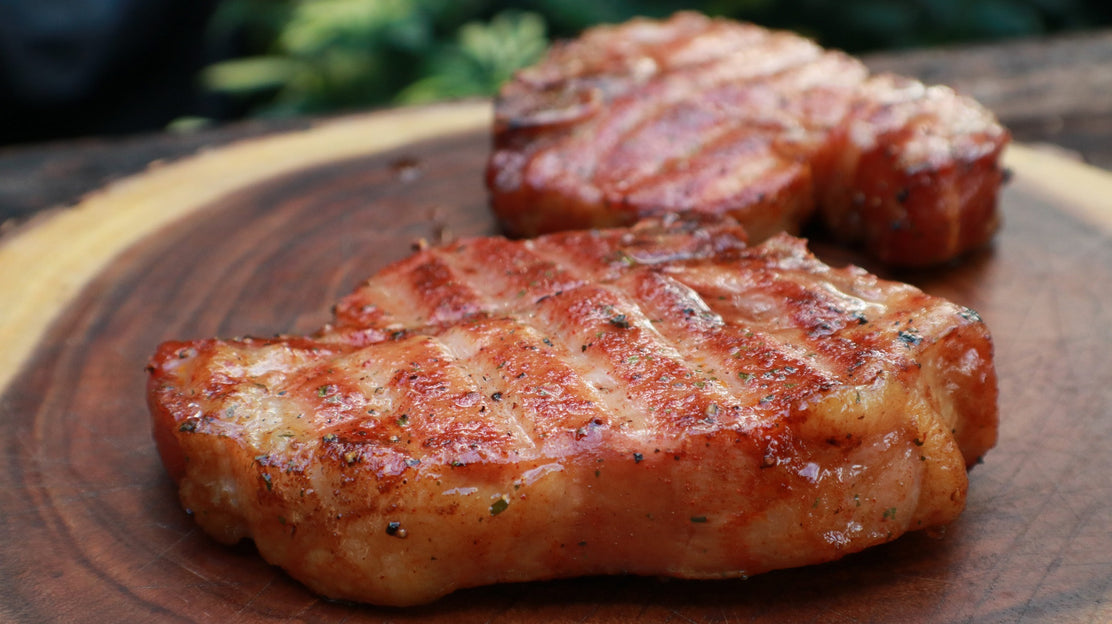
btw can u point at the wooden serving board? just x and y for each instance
(260, 237)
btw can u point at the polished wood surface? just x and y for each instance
(260, 237)
(56, 252)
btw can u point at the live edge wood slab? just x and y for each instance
(259, 237)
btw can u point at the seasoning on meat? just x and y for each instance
(711, 115)
(656, 400)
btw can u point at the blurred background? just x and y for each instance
(72, 68)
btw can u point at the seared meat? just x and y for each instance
(691, 113)
(661, 400)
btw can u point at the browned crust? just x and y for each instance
(714, 116)
(681, 403)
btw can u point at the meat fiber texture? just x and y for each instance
(655, 400)
(711, 115)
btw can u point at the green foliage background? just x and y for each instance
(317, 56)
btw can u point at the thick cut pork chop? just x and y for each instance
(693, 113)
(659, 400)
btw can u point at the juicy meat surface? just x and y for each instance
(710, 115)
(657, 400)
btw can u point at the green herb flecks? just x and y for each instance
(620, 321)
(499, 505)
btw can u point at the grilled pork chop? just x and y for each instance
(658, 400)
(692, 113)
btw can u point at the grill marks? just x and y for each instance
(590, 342)
(636, 132)
(773, 115)
(695, 114)
(432, 292)
(639, 156)
(496, 350)
(728, 355)
(525, 374)
(518, 279)
(800, 319)
(624, 327)
(401, 402)
(648, 392)
(639, 375)
(637, 332)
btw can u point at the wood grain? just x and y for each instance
(90, 526)
(69, 247)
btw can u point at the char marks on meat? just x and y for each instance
(657, 400)
(711, 115)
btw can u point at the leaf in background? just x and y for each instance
(446, 16)
(311, 56)
(483, 57)
(316, 26)
(259, 22)
(250, 75)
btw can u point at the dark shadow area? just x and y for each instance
(75, 68)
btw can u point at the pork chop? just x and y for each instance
(655, 400)
(712, 115)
